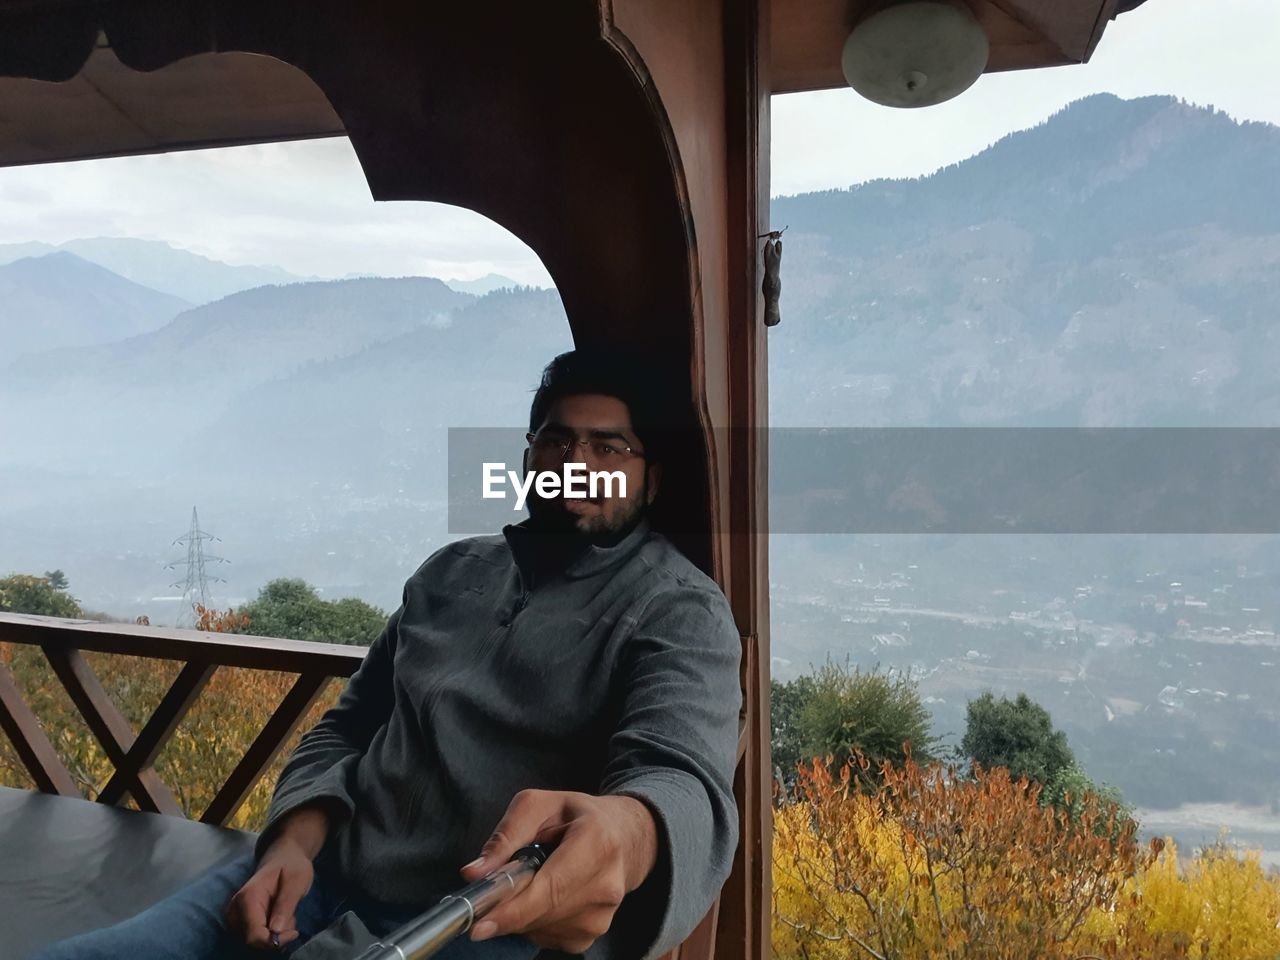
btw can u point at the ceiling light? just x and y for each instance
(915, 53)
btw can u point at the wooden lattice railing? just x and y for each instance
(133, 755)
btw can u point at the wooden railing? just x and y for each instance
(133, 755)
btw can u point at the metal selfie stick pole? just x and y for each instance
(425, 935)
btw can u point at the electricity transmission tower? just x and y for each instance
(195, 587)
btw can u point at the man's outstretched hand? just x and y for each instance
(607, 846)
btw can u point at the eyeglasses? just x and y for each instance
(601, 451)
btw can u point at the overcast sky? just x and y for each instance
(305, 206)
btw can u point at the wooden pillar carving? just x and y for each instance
(705, 62)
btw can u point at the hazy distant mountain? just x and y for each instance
(160, 266)
(10, 252)
(265, 332)
(378, 418)
(1117, 265)
(177, 378)
(59, 300)
(486, 284)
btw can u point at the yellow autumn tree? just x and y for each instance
(929, 866)
(1221, 905)
(933, 866)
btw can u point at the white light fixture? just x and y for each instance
(915, 53)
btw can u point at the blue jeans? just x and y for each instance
(188, 925)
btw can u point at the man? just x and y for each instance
(571, 681)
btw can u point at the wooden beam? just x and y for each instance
(141, 756)
(162, 643)
(746, 903)
(305, 691)
(701, 944)
(110, 728)
(35, 751)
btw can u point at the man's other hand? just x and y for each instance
(607, 846)
(265, 905)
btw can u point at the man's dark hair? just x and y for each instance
(635, 380)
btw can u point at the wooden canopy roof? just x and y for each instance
(808, 35)
(89, 103)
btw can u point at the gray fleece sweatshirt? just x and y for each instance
(508, 666)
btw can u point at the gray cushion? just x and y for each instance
(67, 866)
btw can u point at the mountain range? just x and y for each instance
(60, 300)
(188, 276)
(1117, 265)
(158, 265)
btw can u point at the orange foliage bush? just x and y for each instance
(220, 621)
(932, 866)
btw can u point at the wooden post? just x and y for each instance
(713, 87)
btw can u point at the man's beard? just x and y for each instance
(600, 530)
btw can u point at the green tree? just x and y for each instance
(841, 711)
(787, 736)
(1017, 735)
(291, 608)
(57, 579)
(24, 593)
(1071, 785)
(351, 620)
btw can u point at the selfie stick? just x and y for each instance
(427, 934)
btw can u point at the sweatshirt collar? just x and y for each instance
(538, 553)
